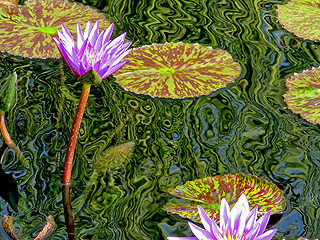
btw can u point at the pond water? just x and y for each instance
(243, 128)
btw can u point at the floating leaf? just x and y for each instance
(8, 92)
(177, 70)
(209, 191)
(27, 30)
(9, 2)
(301, 17)
(303, 96)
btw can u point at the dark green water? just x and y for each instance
(242, 128)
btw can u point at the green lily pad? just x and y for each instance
(303, 96)
(209, 191)
(177, 70)
(301, 17)
(27, 30)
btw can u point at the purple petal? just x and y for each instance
(200, 233)
(82, 49)
(66, 33)
(267, 235)
(126, 45)
(96, 66)
(238, 221)
(224, 214)
(263, 221)
(216, 230)
(94, 34)
(251, 219)
(242, 203)
(114, 68)
(253, 233)
(121, 57)
(88, 30)
(98, 44)
(108, 34)
(80, 38)
(205, 220)
(182, 238)
(103, 72)
(118, 40)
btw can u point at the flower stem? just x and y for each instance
(6, 136)
(74, 134)
(68, 211)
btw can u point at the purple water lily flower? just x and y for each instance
(238, 224)
(92, 51)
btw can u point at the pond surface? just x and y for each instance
(244, 128)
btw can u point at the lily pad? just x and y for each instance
(27, 30)
(209, 191)
(303, 96)
(177, 70)
(301, 17)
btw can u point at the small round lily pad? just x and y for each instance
(177, 70)
(27, 30)
(303, 96)
(208, 192)
(301, 17)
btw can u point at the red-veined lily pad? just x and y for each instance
(209, 191)
(27, 30)
(177, 70)
(303, 96)
(301, 17)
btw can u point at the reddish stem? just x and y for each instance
(6, 136)
(68, 211)
(74, 134)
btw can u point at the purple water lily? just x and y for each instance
(238, 224)
(92, 51)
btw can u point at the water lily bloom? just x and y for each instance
(238, 224)
(92, 50)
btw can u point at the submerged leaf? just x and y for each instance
(27, 30)
(301, 17)
(114, 157)
(8, 92)
(209, 191)
(303, 96)
(47, 229)
(7, 224)
(177, 70)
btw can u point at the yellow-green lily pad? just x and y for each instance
(27, 30)
(303, 95)
(301, 17)
(177, 70)
(208, 192)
